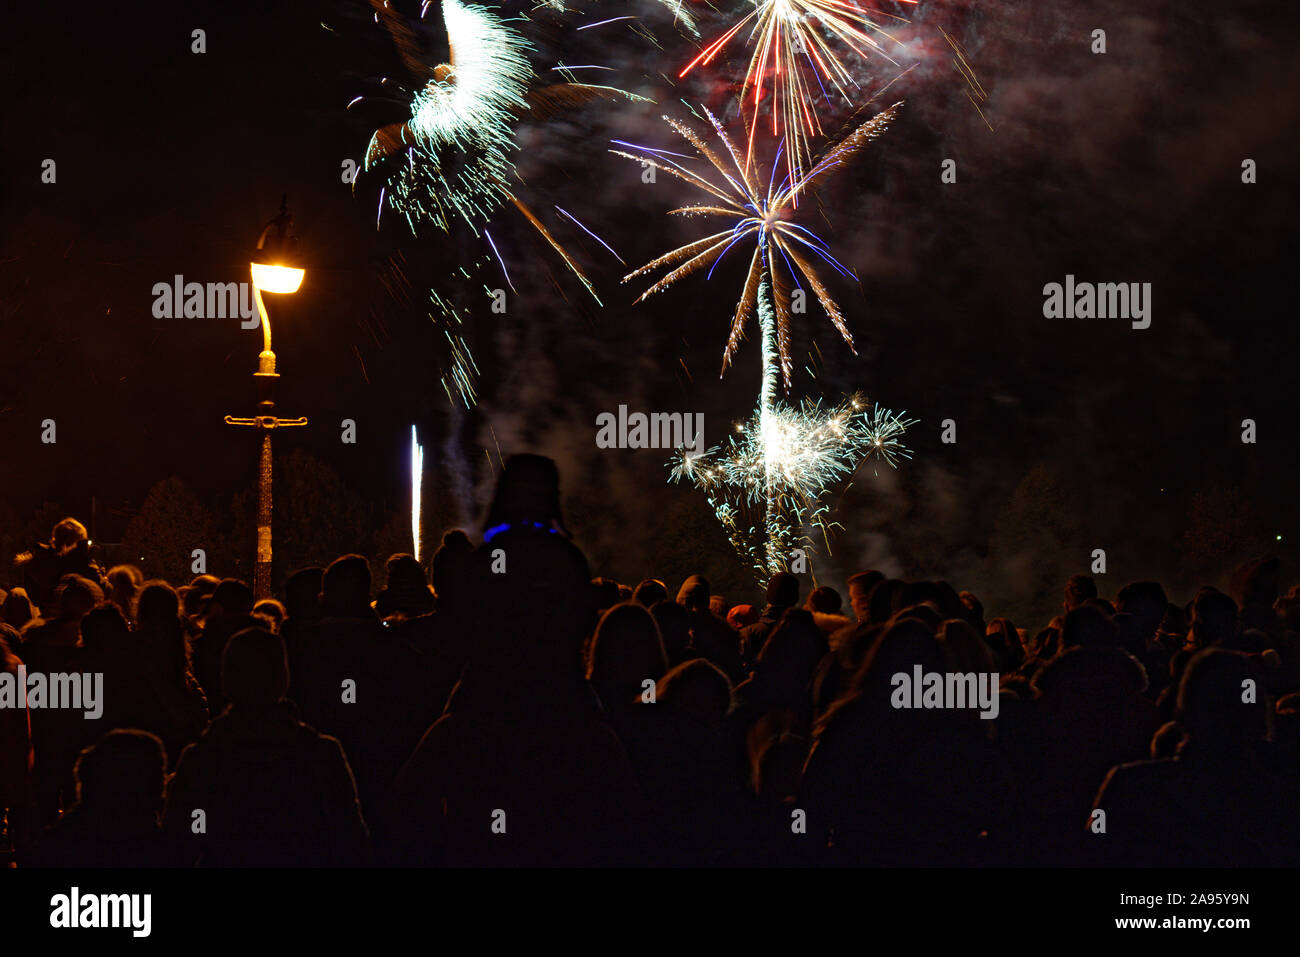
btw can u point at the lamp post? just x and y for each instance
(275, 269)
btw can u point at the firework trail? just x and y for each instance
(795, 42)
(785, 459)
(417, 479)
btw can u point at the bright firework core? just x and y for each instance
(770, 482)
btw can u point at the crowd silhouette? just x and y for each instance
(516, 711)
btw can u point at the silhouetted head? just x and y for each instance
(783, 590)
(403, 571)
(824, 599)
(75, 596)
(742, 616)
(1004, 640)
(159, 625)
(17, 608)
(1146, 602)
(254, 670)
(196, 594)
(528, 494)
(1288, 612)
(345, 588)
(231, 599)
(271, 611)
(1214, 618)
(625, 651)
(1089, 626)
(964, 650)
(1258, 583)
(604, 593)
(1078, 589)
(900, 647)
(649, 591)
(699, 687)
(123, 582)
(789, 657)
(674, 623)
(694, 594)
(67, 535)
(156, 605)
(882, 603)
(302, 594)
(407, 592)
(973, 606)
(1211, 705)
(450, 562)
(121, 776)
(104, 629)
(860, 586)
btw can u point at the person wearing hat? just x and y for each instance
(523, 767)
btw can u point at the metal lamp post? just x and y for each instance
(275, 269)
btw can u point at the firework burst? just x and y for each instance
(783, 251)
(785, 459)
(450, 164)
(795, 42)
(769, 483)
(461, 131)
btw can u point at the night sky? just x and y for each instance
(1072, 434)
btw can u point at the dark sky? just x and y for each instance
(1072, 434)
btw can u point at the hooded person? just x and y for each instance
(523, 767)
(17, 610)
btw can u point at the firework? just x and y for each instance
(450, 164)
(461, 130)
(417, 478)
(756, 213)
(795, 41)
(784, 459)
(770, 480)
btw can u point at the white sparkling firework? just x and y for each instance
(769, 483)
(417, 479)
(462, 124)
(451, 162)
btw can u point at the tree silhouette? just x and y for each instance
(173, 523)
